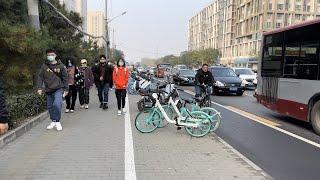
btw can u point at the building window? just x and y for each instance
(278, 25)
(270, 6)
(280, 6)
(298, 7)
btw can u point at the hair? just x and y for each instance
(67, 61)
(124, 62)
(50, 51)
(205, 64)
(102, 56)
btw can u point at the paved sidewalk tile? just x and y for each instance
(91, 146)
(170, 154)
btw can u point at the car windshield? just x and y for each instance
(183, 67)
(187, 73)
(223, 72)
(244, 71)
(164, 65)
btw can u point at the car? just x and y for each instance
(248, 76)
(140, 69)
(184, 77)
(226, 81)
(152, 71)
(162, 68)
(181, 66)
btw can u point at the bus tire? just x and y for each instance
(315, 117)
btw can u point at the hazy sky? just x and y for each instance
(151, 28)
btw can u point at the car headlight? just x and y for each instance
(219, 84)
(255, 81)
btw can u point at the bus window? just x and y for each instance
(301, 62)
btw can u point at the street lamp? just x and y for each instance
(109, 20)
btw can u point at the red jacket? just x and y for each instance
(120, 77)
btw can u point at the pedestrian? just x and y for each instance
(203, 77)
(103, 79)
(4, 115)
(53, 74)
(84, 82)
(72, 95)
(120, 81)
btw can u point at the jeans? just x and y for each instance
(198, 91)
(54, 105)
(84, 95)
(103, 92)
(121, 98)
(71, 97)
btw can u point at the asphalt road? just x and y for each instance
(280, 155)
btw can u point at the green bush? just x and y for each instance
(24, 106)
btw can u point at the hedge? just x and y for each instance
(22, 107)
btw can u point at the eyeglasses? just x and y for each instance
(84, 63)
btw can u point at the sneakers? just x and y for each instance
(119, 113)
(105, 106)
(123, 110)
(55, 124)
(67, 110)
(72, 111)
(86, 106)
(51, 125)
(82, 106)
(101, 105)
(58, 126)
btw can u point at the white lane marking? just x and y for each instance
(268, 125)
(248, 94)
(130, 170)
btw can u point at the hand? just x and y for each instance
(101, 78)
(40, 92)
(65, 93)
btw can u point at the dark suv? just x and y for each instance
(226, 81)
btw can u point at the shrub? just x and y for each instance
(24, 106)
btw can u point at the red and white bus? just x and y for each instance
(288, 76)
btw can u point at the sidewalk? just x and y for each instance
(92, 146)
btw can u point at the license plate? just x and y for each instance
(233, 89)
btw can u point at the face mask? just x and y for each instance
(51, 58)
(121, 63)
(69, 64)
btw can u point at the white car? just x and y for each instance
(248, 77)
(140, 69)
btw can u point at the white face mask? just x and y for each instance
(121, 63)
(51, 58)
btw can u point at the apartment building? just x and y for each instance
(235, 27)
(96, 25)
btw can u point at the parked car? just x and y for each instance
(152, 71)
(140, 69)
(184, 77)
(226, 81)
(247, 75)
(181, 66)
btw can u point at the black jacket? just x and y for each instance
(4, 115)
(204, 77)
(108, 70)
(53, 76)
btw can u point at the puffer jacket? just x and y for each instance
(120, 77)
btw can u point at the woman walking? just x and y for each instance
(120, 81)
(72, 95)
(84, 82)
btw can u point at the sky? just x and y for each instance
(151, 28)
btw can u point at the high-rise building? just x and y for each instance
(79, 6)
(96, 25)
(235, 27)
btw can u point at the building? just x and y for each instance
(79, 6)
(96, 25)
(235, 27)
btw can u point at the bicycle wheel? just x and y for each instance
(207, 101)
(170, 112)
(201, 124)
(215, 117)
(148, 120)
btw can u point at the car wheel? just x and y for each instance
(315, 117)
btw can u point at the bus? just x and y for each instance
(161, 68)
(288, 75)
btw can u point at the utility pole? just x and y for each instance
(107, 32)
(33, 12)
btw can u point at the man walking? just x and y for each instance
(102, 73)
(54, 76)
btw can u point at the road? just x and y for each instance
(283, 147)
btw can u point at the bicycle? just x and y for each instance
(197, 123)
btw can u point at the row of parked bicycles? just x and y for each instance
(161, 105)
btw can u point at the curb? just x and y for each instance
(16, 133)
